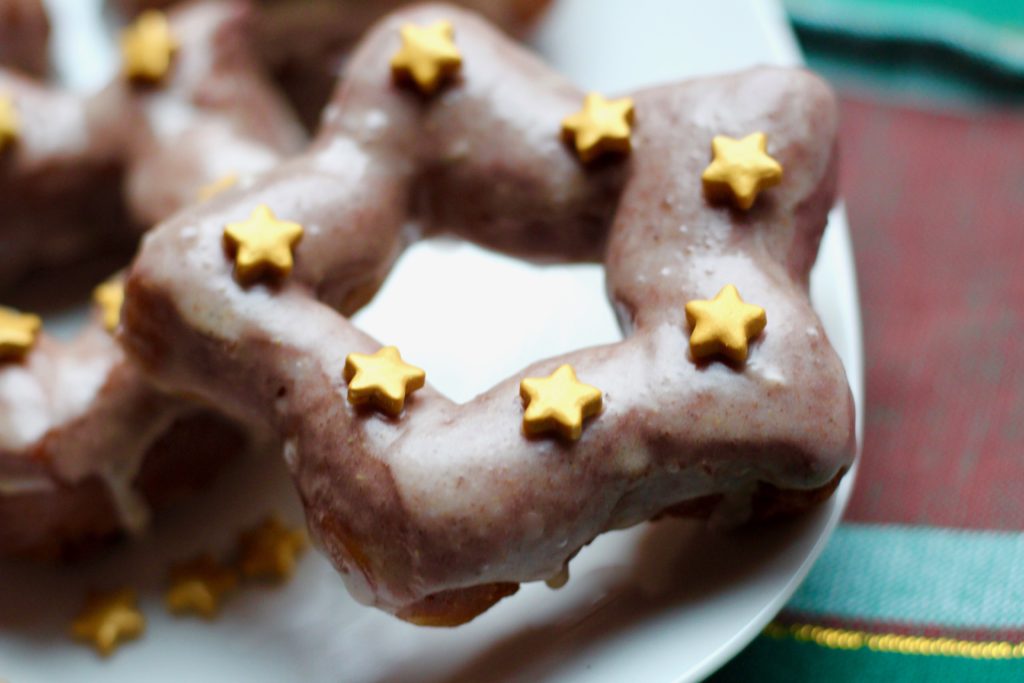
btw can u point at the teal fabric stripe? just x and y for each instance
(991, 32)
(768, 660)
(923, 575)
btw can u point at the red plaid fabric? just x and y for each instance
(936, 206)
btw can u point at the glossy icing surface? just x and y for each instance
(445, 506)
(304, 43)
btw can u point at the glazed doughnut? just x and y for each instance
(303, 43)
(87, 445)
(431, 510)
(24, 30)
(80, 174)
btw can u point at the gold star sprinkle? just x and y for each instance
(269, 550)
(427, 57)
(18, 333)
(558, 402)
(211, 190)
(147, 47)
(262, 245)
(198, 585)
(108, 620)
(601, 127)
(382, 379)
(723, 325)
(10, 122)
(110, 297)
(740, 169)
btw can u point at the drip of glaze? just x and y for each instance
(132, 510)
(560, 579)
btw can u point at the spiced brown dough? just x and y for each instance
(87, 445)
(304, 43)
(89, 172)
(24, 33)
(438, 513)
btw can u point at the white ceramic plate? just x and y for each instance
(658, 603)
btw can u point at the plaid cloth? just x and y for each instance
(925, 578)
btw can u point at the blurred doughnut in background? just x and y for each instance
(303, 43)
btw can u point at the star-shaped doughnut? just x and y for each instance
(381, 379)
(428, 56)
(262, 245)
(269, 551)
(18, 333)
(361, 477)
(10, 123)
(198, 585)
(109, 296)
(724, 325)
(740, 169)
(601, 127)
(109, 619)
(147, 47)
(559, 403)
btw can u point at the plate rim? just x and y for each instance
(850, 313)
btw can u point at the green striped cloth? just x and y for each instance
(924, 579)
(859, 615)
(788, 660)
(957, 52)
(990, 31)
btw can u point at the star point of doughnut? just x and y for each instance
(262, 245)
(18, 333)
(109, 297)
(740, 170)
(148, 47)
(723, 325)
(108, 620)
(558, 403)
(428, 56)
(270, 550)
(10, 122)
(381, 379)
(198, 586)
(602, 127)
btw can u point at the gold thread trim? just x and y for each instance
(843, 639)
